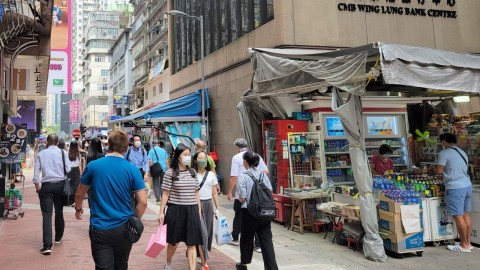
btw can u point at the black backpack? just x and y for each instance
(261, 204)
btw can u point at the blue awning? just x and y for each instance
(185, 107)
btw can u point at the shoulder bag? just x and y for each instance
(468, 167)
(156, 169)
(203, 181)
(68, 196)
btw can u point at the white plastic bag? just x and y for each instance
(223, 234)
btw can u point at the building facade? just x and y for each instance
(231, 27)
(120, 83)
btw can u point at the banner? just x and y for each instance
(25, 113)
(120, 100)
(60, 73)
(74, 111)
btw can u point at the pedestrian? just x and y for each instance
(76, 167)
(104, 140)
(452, 163)
(52, 163)
(200, 147)
(180, 191)
(111, 181)
(236, 169)
(94, 150)
(252, 226)
(208, 198)
(138, 157)
(61, 144)
(158, 155)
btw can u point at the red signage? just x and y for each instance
(74, 111)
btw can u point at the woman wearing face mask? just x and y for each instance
(180, 193)
(381, 163)
(208, 190)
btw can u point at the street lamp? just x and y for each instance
(202, 64)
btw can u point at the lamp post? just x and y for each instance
(202, 64)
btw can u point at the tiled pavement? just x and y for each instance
(21, 240)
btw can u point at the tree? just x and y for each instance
(52, 129)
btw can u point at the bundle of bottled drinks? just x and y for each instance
(408, 189)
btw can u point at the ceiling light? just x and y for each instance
(307, 98)
(461, 99)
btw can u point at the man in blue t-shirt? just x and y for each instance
(158, 155)
(112, 181)
(453, 165)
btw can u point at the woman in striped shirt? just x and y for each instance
(180, 194)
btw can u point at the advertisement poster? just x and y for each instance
(59, 76)
(25, 113)
(74, 111)
(13, 143)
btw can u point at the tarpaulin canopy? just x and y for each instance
(346, 70)
(188, 107)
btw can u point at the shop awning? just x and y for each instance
(186, 108)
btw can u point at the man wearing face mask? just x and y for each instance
(138, 157)
(381, 164)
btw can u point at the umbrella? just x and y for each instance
(351, 114)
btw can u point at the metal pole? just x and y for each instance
(202, 84)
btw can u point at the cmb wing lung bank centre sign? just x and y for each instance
(404, 10)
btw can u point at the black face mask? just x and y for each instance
(77, 138)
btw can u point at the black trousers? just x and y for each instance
(51, 195)
(110, 248)
(237, 222)
(157, 186)
(263, 229)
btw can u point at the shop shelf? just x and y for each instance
(378, 146)
(340, 167)
(336, 153)
(391, 156)
(400, 165)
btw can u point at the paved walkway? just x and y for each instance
(21, 241)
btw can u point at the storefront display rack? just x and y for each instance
(305, 159)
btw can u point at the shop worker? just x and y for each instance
(452, 163)
(50, 163)
(237, 168)
(381, 164)
(137, 155)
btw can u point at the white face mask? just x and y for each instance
(186, 160)
(86, 145)
(104, 141)
(137, 144)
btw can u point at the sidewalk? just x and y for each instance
(21, 241)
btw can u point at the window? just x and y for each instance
(154, 92)
(225, 22)
(160, 88)
(146, 95)
(100, 58)
(104, 73)
(102, 87)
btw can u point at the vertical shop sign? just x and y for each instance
(13, 143)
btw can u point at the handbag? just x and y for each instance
(158, 241)
(68, 196)
(468, 167)
(156, 169)
(134, 229)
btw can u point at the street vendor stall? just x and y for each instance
(420, 70)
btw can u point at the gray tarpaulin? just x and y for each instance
(430, 68)
(351, 114)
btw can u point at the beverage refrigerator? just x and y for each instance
(276, 156)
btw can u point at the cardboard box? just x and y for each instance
(387, 205)
(390, 223)
(401, 242)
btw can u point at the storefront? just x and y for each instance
(330, 150)
(173, 122)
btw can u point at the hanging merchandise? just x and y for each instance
(305, 159)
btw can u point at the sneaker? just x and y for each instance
(458, 248)
(168, 266)
(46, 251)
(458, 244)
(205, 267)
(158, 202)
(258, 249)
(199, 261)
(58, 240)
(240, 266)
(234, 243)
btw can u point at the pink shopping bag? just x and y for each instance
(158, 242)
